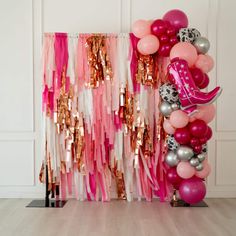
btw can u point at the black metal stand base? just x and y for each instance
(181, 203)
(47, 204)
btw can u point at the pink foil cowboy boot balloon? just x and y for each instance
(189, 93)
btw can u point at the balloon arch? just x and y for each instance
(186, 109)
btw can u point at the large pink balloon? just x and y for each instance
(169, 129)
(206, 113)
(205, 63)
(198, 128)
(186, 51)
(205, 172)
(141, 28)
(192, 190)
(179, 119)
(149, 44)
(185, 170)
(177, 18)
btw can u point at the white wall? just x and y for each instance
(22, 24)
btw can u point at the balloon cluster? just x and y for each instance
(186, 109)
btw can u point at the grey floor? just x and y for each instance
(118, 218)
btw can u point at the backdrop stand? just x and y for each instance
(180, 203)
(47, 203)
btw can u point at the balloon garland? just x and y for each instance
(186, 109)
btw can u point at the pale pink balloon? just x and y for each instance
(206, 113)
(185, 170)
(149, 44)
(169, 129)
(205, 172)
(179, 119)
(141, 28)
(205, 63)
(186, 51)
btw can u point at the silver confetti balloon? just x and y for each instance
(171, 159)
(174, 106)
(194, 161)
(184, 153)
(201, 157)
(199, 167)
(202, 45)
(165, 109)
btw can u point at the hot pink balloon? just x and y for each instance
(182, 135)
(206, 113)
(173, 177)
(179, 119)
(149, 44)
(169, 129)
(186, 51)
(205, 63)
(198, 128)
(205, 172)
(177, 18)
(205, 82)
(185, 170)
(141, 28)
(209, 133)
(192, 190)
(158, 27)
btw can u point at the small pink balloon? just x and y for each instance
(206, 113)
(149, 44)
(169, 129)
(176, 18)
(204, 62)
(185, 170)
(141, 28)
(179, 119)
(205, 172)
(186, 51)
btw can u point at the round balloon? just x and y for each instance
(169, 129)
(186, 51)
(206, 113)
(171, 143)
(188, 35)
(168, 93)
(192, 190)
(198, 128)
(158, 27)
(204, 62)
(173, 178)
(182, 135)
(205, 171)
(179, 119)
(177, 18)
(165, 108)
(194, 161)
(202, 45)
(185, 170)
(171, 159)
(141, 28)
(149, 44)
(184, 153)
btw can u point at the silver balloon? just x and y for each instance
(202, 45)
(165, 109)
(201, 157)
(174, 106)
(184, 153)
(199, 167)
(194, 161)
(171, 159)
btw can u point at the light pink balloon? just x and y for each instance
(179, 119)
(141, 28)
(169, 129)
(205, 172)
(205, 63)
(206, 113)
(149, 44)
(185, 170)
(186, 51)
